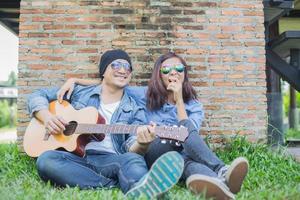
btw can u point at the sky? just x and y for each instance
(8, 53)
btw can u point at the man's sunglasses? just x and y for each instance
(168, 68)
(118, 65)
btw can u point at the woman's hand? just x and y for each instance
(176, 87)
(68, 88)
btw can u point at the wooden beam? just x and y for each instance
(289, 73)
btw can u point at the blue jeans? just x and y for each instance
(198, 157)
(96, 169)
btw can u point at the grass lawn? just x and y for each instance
(272, 176)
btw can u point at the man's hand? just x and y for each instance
(145, 134)
(54, 124)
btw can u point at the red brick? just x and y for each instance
(216, 76)
(41, 50)
(53, 11)
(63, 51)
(38, 35)
(73, 42)
(212, 107)
(52, 27)
(86, 35)
(38, 66)
(28, 58)
(87, 50)
(253, 13)
(52, 58)
(81, 27)
(223, 36)
(230, 28)
(90, 19)
(196, 51)
(98, 11)
(199, 84)
(204, 4)
(224, 84)
(43, 19)
(30, 11)
(68, 35)
(29, 27)
(49, 42)
(234, 107)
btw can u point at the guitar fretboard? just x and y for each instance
(104, 128)
(168, 132)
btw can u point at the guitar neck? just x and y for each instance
(168, 132)
(105, 129)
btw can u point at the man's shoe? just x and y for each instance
(163, 175)
(210, 187)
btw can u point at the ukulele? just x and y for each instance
(82, 124)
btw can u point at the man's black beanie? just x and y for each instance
(110, 56)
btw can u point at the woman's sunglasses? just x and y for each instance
(168, 68)
(118, 65)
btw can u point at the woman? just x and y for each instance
(171, 100)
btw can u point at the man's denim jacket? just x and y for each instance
(83, 96)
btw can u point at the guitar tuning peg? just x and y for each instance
(163, 141)
(177, 144)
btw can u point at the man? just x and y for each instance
(115, 161)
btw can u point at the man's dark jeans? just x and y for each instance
(96, 169)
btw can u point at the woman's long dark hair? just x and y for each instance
(157, 94)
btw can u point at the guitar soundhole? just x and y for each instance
(70, 128)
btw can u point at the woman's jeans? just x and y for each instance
(96, 169)
(198, 157)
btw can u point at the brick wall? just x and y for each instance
(222, 41)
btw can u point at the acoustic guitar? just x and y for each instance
(82, 125)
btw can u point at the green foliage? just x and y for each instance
(292, 133)
(273, 175)
(286, 102)
(7, 113)
(12, 79)
(298, 99)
